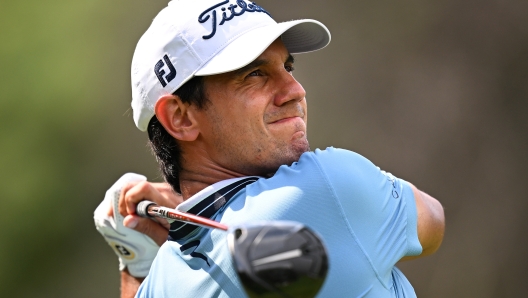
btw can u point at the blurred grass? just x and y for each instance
(435, 92)
(56, 92)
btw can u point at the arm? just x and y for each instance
(129, 284)
(431, 223)
(159, 193)
(120, 229)
(384, 211)
(131, 195)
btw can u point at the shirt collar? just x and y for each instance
(207, 202)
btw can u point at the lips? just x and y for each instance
(286, 119)
(285, 116)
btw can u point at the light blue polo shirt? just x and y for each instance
(367, 218)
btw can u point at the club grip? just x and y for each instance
(142, 208)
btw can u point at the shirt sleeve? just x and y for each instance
(379, 208)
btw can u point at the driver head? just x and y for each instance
(278, 259)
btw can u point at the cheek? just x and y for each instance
(241, 119)
(240, 128)
(251, 115)
(305, 107)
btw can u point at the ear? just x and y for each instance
(176, 117)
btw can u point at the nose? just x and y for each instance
(288, 89)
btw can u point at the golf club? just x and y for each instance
(272, 258)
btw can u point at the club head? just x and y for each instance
(278, 259)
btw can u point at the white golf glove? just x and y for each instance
(135, 250)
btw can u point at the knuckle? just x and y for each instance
(144, 186)
(123, 211)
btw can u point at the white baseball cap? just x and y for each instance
(205, 37)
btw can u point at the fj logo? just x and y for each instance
(122, 250)
(160, 72)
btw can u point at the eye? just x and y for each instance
(289, 68)
(255, 73)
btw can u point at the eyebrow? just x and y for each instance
(290, 59)
(259, 62)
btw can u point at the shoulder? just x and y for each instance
(341, 164)
(351, 175)
(332, 172)
(335, 172)
(336, 157)
(324, 165)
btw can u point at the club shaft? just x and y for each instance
(152, 210)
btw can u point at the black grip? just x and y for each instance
(142, 208)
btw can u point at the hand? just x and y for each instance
(135, 250)
(160, 193)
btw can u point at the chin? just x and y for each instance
(300, 147)
(285, 155)
(294, 152)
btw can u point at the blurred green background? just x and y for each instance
(435, 92)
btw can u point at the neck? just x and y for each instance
(198, 172)
(192, 182)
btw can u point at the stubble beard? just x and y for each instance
(257, 159)
(286, 156)
(254, 158)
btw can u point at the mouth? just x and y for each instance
(284, 117)
(287, 119)
(295, 125)
(294, 116)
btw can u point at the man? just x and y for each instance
(213, 86)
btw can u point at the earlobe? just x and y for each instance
(176, 117)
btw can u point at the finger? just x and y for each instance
(139, 192)
(122, 197)
(148, 227)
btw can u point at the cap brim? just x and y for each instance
(298, 36)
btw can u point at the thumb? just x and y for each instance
(148, 227)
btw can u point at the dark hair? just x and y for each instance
(166, 147)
